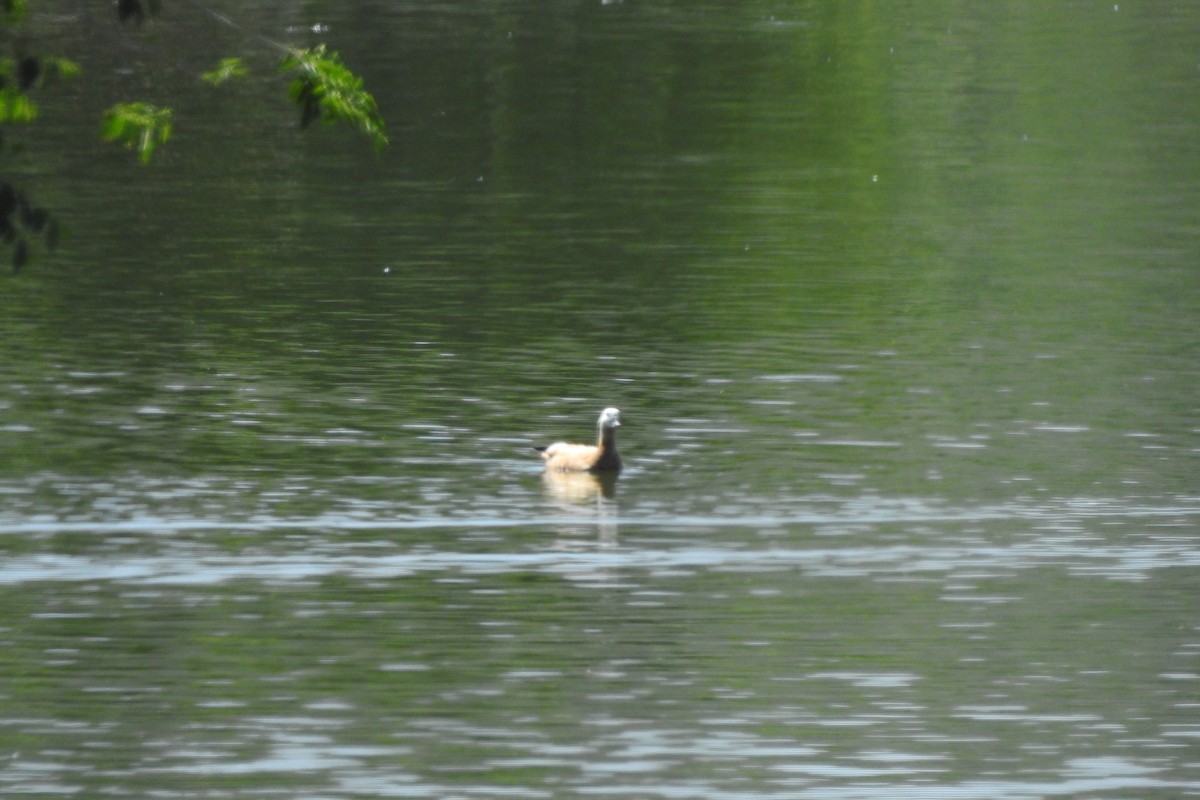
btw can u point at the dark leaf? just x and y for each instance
(20, 255)
(130, 8)
(310, 112)
(29, 69)
(36, 219)
(8, 200)
(33, 218)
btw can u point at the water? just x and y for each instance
(899, 307)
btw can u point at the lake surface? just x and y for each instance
(900, 306)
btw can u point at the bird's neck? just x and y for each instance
(607, 439)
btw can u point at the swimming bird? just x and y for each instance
(599, 457)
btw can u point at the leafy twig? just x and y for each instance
(227, 70)
(138, 126)
(325, 90)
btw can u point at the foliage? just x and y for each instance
(227, 69)
(19, 75)
(15, 106)
(136, 9)
(19, 220)
(321, 86)
(324, 89)
(139, 126)
(13, 10)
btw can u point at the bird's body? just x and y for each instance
(599, 457)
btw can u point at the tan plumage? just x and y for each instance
(599, 457)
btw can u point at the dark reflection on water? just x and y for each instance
(899, 306)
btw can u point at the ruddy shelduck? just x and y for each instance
(599, 457)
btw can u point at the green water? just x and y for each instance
(899, 306)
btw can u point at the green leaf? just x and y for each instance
(15, 106)
(138, 126)
(62, 67)
(227, 70)
(13, 11)
(325, 89)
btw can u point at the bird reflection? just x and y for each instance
(580, 487)
(585, 493)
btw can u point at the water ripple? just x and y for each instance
(198, 567)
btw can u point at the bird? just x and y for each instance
(599, 457)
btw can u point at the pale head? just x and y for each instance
(609, 418)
